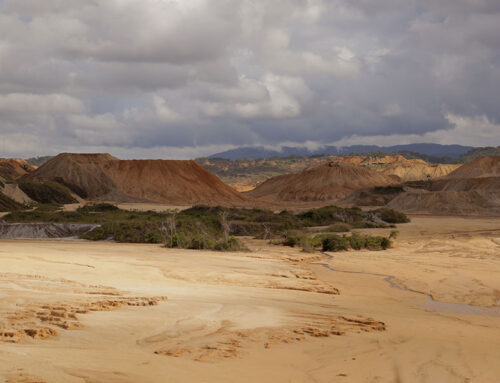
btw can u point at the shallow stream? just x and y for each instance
(429, 303)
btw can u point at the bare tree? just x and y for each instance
(172, 227)
(267, 232)
(169, 229)
(226, 228)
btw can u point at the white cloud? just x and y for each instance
(271, 97)
(468, 131)
(164, 112)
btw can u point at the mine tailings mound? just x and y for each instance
(478, 168)
(43, 230)
(331, 181)
(472, 189)
(104, 177)
(405, 170)
(13, 168)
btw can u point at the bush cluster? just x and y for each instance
(355, 241)
(201, 227)
(334, 242)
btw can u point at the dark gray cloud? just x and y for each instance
(182, 78)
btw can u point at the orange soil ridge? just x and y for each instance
(104, 177)
(331, 181)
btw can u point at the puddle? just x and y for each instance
(429, 303)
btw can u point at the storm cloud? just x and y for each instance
(186, 78)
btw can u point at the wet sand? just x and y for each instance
(106, 312)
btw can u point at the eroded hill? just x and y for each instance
(328, 182)
(104, 177)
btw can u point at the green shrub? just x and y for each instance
(339, 227)
(335, 243)
(232, 244)
(98, 234)
(357, 242)
(201, 242)
(49, 207)
(154, 237)
(377, 243)
(392, 216)
(394, 234)
(291, 240)
(179, 240)
(307, 244)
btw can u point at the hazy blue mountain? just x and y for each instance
(434, 150)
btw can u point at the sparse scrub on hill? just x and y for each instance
(47, 192)
(8, 204)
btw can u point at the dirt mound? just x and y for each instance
(472, 189)
(399, 168)
(478, 168)
(13, 168)
(475, 202)
(82, 173)
(104, 177)
(415, 170)
(331, 181)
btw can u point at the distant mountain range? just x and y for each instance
(432, 150)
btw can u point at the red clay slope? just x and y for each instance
(103, 177)
(331, 181)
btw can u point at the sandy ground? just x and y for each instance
(104, 312)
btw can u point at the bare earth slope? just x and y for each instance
(331, 181)
(478, 168)
(169, 181)
(103, 177)
(405, 170)
(472, 189)
(13, 168)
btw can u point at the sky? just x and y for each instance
(189, 78)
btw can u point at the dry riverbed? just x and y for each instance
(425, 311)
